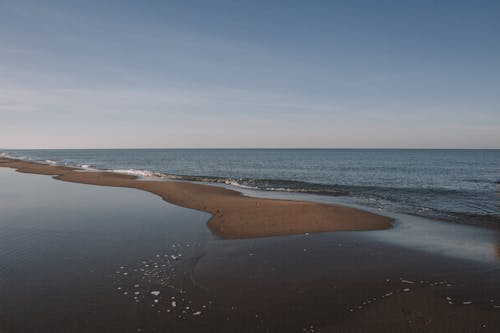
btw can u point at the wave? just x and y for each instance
(278, 185)
(264, 184)
(12, 156)
(482, 181)
(469, 218)
(140, 173)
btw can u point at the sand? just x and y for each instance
(419, 311)
(233, 214)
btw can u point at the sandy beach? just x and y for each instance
(233, 215)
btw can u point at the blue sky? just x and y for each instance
(83, 74)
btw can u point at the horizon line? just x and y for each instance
(255, 148)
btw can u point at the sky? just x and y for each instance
(276, 74)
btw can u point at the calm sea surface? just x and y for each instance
(453, 185)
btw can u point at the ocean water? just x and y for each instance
(461, 186)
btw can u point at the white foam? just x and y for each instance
(235, 183)
(14, 157)
(134, 172)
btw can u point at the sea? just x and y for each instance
(452, 185)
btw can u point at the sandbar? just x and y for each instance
(234, 215)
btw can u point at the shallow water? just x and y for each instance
(81, 258)
(68, 253)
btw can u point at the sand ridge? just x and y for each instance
(233, 214)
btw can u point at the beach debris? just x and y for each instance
(197, 313)
(407, 281)
(406, 289)
(467, 302)
(310, 329)
(160, 275)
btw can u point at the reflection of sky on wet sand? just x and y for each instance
(461, 241)
(497, 249)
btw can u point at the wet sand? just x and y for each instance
(421, 311)
(77, 258)
(233, 215)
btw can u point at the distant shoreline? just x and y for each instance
(233, 214)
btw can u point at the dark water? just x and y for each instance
(81, 258)
(454, 185)
(69, 253)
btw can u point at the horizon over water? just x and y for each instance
(454, 185)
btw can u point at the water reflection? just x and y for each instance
(496, 246)
(460, 241)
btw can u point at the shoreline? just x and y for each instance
(233, 214)
(111, 252)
